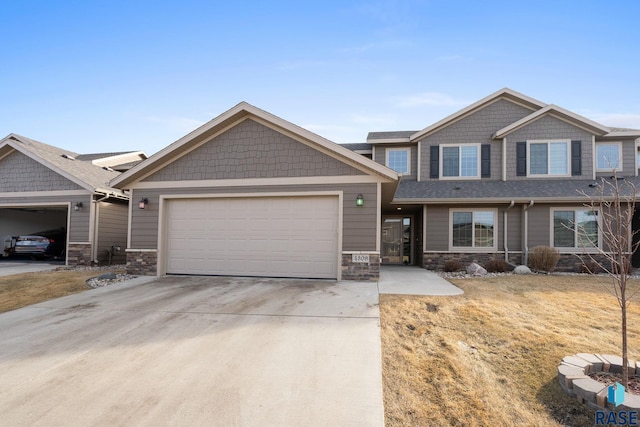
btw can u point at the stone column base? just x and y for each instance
(142, 262)
(362, 271)
(79, 254)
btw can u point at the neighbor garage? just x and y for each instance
(253, 236)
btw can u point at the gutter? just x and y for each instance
(505, 234)
(525, 237)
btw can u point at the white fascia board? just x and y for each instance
(509, 93)
(122, 158)
(623, 134)
(406, 140)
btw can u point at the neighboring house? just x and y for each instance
(44, 187)
(496, 179)
(251, 194)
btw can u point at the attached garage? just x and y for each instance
(250, 194)
(253, 236)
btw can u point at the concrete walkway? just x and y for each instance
(410, 280)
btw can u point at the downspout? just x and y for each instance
(525, 239)
(504, 233)
(94, 246)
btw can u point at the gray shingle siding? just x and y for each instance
(19, 173)
(251, 150)
(550, 128)
(477, 128)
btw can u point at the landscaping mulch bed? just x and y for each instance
(609, 378)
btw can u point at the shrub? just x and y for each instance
(497, 265)
(543, 258)
(452, 265)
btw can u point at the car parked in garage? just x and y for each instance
(44, 244)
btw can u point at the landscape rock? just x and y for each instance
(476, 270)
(522, 269)
(107, 276)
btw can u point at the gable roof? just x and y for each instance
(65, 163)
(558, 112)
(505, 93)
(228, 119)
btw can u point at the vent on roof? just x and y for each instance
(66, 156)
(107, 168)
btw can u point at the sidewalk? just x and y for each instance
(410, 280)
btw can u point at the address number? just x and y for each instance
(360, 258)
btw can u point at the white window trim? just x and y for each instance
(408, 150)
(473, 248)
(547, 141)
(459, 177)
(576, 248)
(618, 167)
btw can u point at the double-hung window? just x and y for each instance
(399, 159)
(608, 156)
(549, 158)
(460, 161)
(473, 229)
(575, 228)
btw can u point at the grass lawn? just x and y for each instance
(20, 290)
(489, 357)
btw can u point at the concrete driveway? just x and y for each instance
(196, 351)
(17, 266)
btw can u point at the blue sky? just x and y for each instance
(95, 76)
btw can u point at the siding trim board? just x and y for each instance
(210, 183)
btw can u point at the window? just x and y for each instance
(575, 228)
(473, 229)
(548, 158)
(398, 159)
(608, 157)
(460, 161)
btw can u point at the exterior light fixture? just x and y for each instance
(359, 200)
(77, 206)
(142, 204)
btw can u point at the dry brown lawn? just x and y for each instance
(489, 357)
(20, 290)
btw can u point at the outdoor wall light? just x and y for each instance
(359, 200)
(77, 206)
(142, 204)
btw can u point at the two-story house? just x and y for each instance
(496, 179)
(251, 194)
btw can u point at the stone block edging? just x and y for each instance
(573, 374)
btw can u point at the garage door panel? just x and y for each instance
(260, 236)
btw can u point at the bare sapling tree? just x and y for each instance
(612, 203)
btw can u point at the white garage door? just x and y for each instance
(258, 236)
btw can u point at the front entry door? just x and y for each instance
(396, 240)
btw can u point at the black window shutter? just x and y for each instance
(485, 157)
(576, 158)
(521, 158)
(435, 162)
